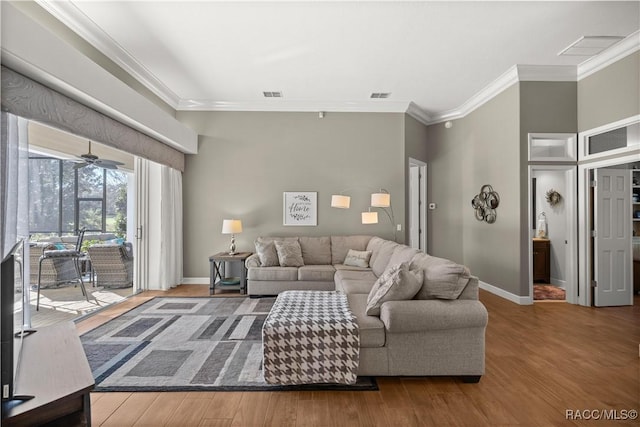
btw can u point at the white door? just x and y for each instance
(417, 198)
(414, 207)
(612, 260)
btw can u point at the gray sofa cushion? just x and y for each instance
(355, 286)
(340, 245)
(397, 283)
(443, 279)
(402, 253)
(316, 272)
(273, 273)
(315, 250)
(371, 327)
(380, 259)
(289, 253)
(363, 274)
(350, 267)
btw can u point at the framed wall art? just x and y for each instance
(300, 208)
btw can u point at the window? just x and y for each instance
(63, 199)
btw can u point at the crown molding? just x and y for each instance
(284, 105)
(77, 21)
(67, 13)
(507, 79)
(615, 53)
(419, 114)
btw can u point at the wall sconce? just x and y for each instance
(233, 227)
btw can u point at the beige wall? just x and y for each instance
(246, 160)
(611, 94)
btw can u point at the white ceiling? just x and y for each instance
(331, 55)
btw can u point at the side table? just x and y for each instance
(217, 275)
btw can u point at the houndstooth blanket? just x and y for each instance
(310, 337)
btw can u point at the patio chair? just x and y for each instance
(112, 264)
(59, 255)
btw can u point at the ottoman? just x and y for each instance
(310, 337)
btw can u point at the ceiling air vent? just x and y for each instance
(380, 95)
(590, 45)
(272, 94)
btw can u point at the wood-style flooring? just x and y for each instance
(541, 361)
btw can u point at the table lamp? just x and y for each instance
(233, 227)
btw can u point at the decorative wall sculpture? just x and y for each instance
(485, 203)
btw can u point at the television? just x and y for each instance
(12, 321)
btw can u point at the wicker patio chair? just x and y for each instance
(57, 258)
(112, 264)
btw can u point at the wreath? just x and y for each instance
(553, 197)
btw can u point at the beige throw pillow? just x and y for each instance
(267, 253)
(357, 258)
(289, 253)
(444, 281)
(396, 283)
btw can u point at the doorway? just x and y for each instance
(612, 146)
(552, 233)
(417, 198)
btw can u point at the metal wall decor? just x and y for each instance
(485, 203)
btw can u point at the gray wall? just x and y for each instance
(246, 160)
(481, 148)
(489, 146)
(545, 107)
(611, 94)
(415, 147)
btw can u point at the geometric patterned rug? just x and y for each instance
(188, 344)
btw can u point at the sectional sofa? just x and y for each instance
(439, 331)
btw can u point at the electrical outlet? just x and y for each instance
(399, 227)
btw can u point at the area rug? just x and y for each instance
(548, 292)
(188, 344)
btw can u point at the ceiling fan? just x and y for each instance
(91, 159)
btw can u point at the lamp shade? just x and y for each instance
(340, 201)
(231, 226)
(381, 200)
(369, 217)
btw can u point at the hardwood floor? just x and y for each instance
(541, 361)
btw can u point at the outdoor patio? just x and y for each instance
(66, 302)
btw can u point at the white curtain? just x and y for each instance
(159, 222)
(14, 197)
(170, 228)
(14, 182)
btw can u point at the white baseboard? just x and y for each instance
(195, 281)
(505, 294)
(557, 282)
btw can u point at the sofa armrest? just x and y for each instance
(252, 261)
(428, 315)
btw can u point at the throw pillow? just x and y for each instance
(267, 253)
(358, 258)
(396, 283)
(289, 253)
(444, 281)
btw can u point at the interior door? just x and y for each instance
(612, 242)
(414, 207)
